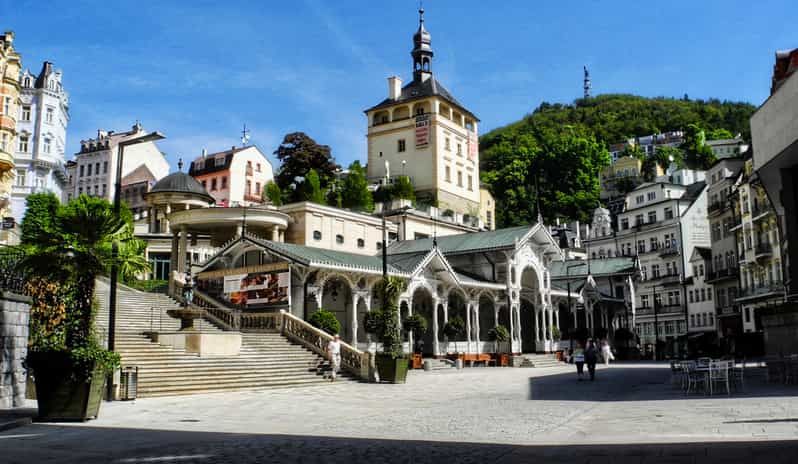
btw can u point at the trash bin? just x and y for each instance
(458, 363)
(129, 383)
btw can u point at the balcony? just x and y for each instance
(763, 250)
(717, 207)
(763, 290)
(662, 310)
(728, 311)
(722, 274)
(669, 251)
(253, 198)
(667, 279)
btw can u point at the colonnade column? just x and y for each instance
(181, 250)
(166, 218)
(468, 326)
(353, 322)
(476, 327)
(275, 234)
(435, 303)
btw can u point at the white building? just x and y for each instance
(700, 307)
(236, 176)
(95, 165)
(41, 140)
(661, 224)
(728, 148)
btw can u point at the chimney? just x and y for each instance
(394, 87)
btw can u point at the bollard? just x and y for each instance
(458, 363)
(427, 365)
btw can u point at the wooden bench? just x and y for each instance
(485, 358)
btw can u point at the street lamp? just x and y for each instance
(120, 152)
(568, 282)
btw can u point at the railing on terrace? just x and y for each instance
(764, 248)
(12, 279)
(716, 207)
(292, 327)
(761, 289)
(728, 272)
(662, 310)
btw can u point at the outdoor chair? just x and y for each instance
(677, 373)
(703, 362)
(738, 376)
(775, 370)
(719, 375)
(695, 378)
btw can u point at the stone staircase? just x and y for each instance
(540, 360)
(266, 360)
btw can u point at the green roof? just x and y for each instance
(464, 243)
(311, 255)
(618, 265)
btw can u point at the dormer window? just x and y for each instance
(220, 161)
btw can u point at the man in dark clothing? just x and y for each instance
(591, 358)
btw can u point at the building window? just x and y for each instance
(81, 170)
(105, 189)
(257, 167)
(668, 213)
(361, 243)
(470, 182)
(641, 246)
(652, 216)
(692, 320)
(447, 144)
(339, 239)
(96, 190)
(655, 271)
(23, 143)
(690, 296)
(204, 184)
(448, 174)
(257, 188)
(459, 149)
(88, 172)
(105, 167)
(379, 246)
(640, 199)
(48, 115)
(21, 177)
(4, 142)
(644, 301)
(624, 223)
(97, 169)
(459, 178)
(400, 145)
(653, 243)
(25, 113)
(249, 187)
(213, 184)
(639, 220)
(7, 105)
(219, 161)
(316, 235)
(224, 182)
(652, 196)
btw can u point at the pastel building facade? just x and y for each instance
(234, 177)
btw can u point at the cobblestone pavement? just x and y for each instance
(502, 415)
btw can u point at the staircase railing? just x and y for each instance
(352, 360)
(227, 319)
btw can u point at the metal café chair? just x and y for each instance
(695, 378)
(738, 376)
(719, 374)
(677, 373)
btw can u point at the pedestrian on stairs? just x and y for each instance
(334, 353)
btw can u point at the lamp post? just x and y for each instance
(568, 282)
(120, 152)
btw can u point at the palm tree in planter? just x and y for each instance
(454, 329)
(384, 324)
(499, 335)
(417, 325)
(72, 250)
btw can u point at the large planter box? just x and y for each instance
(393, 370)
(62, 396)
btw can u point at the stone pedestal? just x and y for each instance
(202, 343)
(14, 315)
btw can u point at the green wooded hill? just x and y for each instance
(564, 146)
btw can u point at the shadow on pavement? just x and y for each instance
(84, 444)
(639, 383)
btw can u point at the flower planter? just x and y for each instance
(416, 362)
(393, 370)
(504, 360)
(61, 392)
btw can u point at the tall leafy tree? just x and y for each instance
(39, 216)
(298, 154)
(697, 154)
(310, 189)
(354, 191)
(273, 194)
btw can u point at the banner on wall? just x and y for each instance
(252, 287)
(473, 146)
(422, 130)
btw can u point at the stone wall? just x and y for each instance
(14, 314)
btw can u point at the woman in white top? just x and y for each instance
(334, 352)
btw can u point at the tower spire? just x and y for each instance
(587, 82)
(422, 50)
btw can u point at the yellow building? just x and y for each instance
(423, 132)
(623, 175)
(10, 63)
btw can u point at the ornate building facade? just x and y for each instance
(41, 137)
(10, 64)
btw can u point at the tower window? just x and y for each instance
(7, 105)
(400, 145)
(49, 115)
(419, 111)
(448, 174)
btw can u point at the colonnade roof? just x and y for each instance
(605, 266)
(499, 239)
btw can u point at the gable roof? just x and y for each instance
(209, 167)
(702, 253)
(605, 266)
(465, 243)
(416, 90)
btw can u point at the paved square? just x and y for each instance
(473, 415)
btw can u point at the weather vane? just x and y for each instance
(245, 136)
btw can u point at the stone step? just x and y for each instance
(243, 386)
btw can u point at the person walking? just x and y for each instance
(606, 352)
(334, 352)
(591, 357)
(579, 359)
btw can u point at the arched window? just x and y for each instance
(361, 243)
(27, 82)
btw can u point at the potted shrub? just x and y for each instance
(391, 363)
(326, 321)
(499, 335)
(454, 329)
(70, 248)
(417, 325)
(555, 338)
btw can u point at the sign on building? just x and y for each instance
(252, 287)
(422, 130)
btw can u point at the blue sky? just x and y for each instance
(199, 73)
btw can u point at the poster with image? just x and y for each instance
(254, 287)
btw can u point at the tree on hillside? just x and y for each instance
(634, 151)
(299, 154)
(563, 162)
(720, 134)
(354, 190)
(697, 154)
